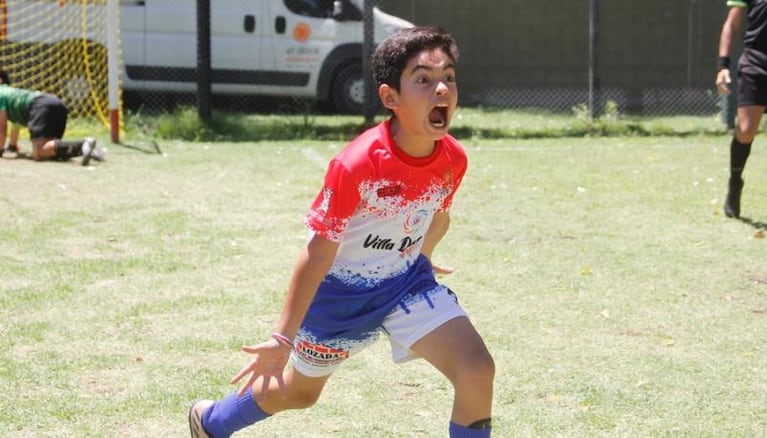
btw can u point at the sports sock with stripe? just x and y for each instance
(231, 414)
(458, 431)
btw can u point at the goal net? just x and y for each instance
(61, 47)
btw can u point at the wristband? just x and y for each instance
(282, 339)
(723, 63)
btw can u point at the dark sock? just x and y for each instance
(67, 149)
(479, 429)
(739, 153)
(231, 414)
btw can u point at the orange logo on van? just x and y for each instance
(302, 32)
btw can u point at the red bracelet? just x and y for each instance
(282, 339)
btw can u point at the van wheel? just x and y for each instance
(349, 90)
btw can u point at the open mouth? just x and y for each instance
(438, 116)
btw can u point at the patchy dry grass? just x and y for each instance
(616, 298)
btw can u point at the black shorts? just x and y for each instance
(47, 117)
(752, 89)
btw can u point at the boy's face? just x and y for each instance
(427, 97)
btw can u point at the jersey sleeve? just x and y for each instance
(334, 205)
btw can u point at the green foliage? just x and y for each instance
(480, 123)
(184, 124)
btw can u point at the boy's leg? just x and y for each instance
(43, 149)
(457, 351)
(230, 414)
(47, 149)
(301, 392)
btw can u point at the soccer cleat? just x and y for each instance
(90, 151)
(732, 204)
(195, 418)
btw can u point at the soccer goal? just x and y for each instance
(66, 47)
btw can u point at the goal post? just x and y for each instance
(69, 48)
(113, 66)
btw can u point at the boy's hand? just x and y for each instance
(269, 362)
(442, 270)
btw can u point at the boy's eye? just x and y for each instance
(421, 80)
(450, 78)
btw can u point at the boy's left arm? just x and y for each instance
(13, 141)
(437, 230)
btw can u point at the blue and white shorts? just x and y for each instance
(414, 317)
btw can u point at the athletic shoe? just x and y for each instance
(91, 151)
(195, 418)
(732, 204)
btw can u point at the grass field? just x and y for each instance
(616, 298)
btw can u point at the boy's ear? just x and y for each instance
(389, 96)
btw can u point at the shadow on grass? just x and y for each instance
(759, 225)
(142, 146)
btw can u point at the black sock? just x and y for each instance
(482, 424)
(738, 155)
(68, 149)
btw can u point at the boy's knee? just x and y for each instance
(485, 366)
(478, 369)
(303, 399)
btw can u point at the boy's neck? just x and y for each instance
(412, 146)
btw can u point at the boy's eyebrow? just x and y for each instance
(427, 67)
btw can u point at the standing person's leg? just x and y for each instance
(749, 117)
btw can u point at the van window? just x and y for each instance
(311, 8)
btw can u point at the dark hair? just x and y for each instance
(392, 55)
(4, 78)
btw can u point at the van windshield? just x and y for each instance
(342, 10)
(311, 8)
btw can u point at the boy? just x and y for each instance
(45, 115)
(366, 269)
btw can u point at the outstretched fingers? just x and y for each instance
(247, 370)
(269, 362)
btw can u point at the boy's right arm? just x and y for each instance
(311, 268)
(272, 356)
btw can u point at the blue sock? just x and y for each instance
(231, 414)
(458, 431)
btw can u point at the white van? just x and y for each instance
(300, 48)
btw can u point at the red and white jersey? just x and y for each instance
(378, 203)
